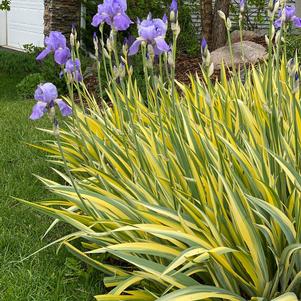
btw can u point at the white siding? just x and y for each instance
(2, 28)
(196, 16)
(25, 23)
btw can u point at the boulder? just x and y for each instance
(246, 52)
(247, 35)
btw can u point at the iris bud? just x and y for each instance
(172, 16)
(222, 15)
(109, 45)
(121, 70)
(267, 40)
(72, 40)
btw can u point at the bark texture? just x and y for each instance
(60, 15)
(206, 19)
(213, 28)
(219, 32)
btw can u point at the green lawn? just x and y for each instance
(45, 276)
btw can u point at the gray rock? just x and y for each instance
(246, 52)
(247, 35)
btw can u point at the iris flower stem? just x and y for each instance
(166, 67)
(297, 149)
(161, 68)
(241, 27)
(270, 58)
(103, 54)
(146, 79)
(114, 34)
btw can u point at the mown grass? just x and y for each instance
(44, 276)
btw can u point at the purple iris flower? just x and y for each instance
(288, 14)
(46, 96)
(56, 42)
(73, 67)
(174, 6)
(152, 31)
(113, 13)
(129, 41)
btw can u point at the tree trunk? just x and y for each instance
(219, 32)
(206, 19)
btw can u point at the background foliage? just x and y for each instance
(188, 41)
(5, 4)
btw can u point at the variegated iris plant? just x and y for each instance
(192, 191)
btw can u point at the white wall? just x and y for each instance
(2, 28)
(298, 7)
(25, 23)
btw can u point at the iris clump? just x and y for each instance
(152, 32)
(46, 96)
(181, 191)
(288, 15)
(56, 43)
(113, 13)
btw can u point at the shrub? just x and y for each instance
(191, 192)
(17, 63)
(28, 84)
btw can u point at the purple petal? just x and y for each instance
(121, 22)
(296, 21)
(55, 40)
(165, 19)
(147, 32)
(64, 108)
(77, 76)
(160, 27)
(290, 12)
(161, 44)
(278, 23)
(38, 110)
(242, 4)
(69, 67)
(157, 51)
(134, 48)
(97, 20)
(62, 55)
(46, 93)
(43, 54)
(122, 4)
(204, 44)
(174, 6)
